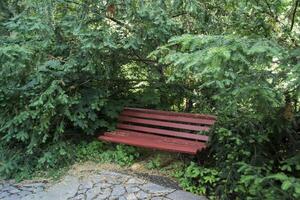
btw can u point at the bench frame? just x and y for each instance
(163, 130)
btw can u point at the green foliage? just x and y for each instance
(164, 161)
(103, 152)
(67, 68)
(154, 163)
(90, 151)
(122, 155)
(52, 160)
(248, 87)
(197, 179)
(256, 181)
(95, 151)
(228, 67)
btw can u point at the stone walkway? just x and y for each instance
(101, 185)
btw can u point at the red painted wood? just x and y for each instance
(174, 118)
(201, 116)
(164, 124)
(125, 133)
(163, 132)
(142, 143)
(153, 142)
(147, 128)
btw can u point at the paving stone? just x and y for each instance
(117, 180)
(3, 194)
(104, 195)
(38, 189)
(14, 191)
(8, 188)
(92, 193)
(98, 186)
(61, 191)
(142, 195)
(131, 196)
(98, 178)
(135, 181)
(82, 191)
(159, 198)
(13, 197)
(179, 195)
(28, 189)
(118, 190)
(3, 185)
(132, 189)
(122, 198)
(85, 185)
(156, 189)
(24, 193)
(78, 197)
(113, 198)
(98, 193)
(103, 185)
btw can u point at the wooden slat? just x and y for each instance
(174, 118)
(142, 143)
(164, 124)
(183, 142)
(154, 142)
(201, 116)
(163, 132)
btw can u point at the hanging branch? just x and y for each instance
(107, 16)
(179, 14)
(294, 14)
(271, 13)
(118, 22)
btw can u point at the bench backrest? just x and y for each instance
(174, 124)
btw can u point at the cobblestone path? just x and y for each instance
(101, 185)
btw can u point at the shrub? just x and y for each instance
(122, 155)
(197, 179)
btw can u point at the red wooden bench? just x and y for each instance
(169, 131)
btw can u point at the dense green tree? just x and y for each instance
(67, 67)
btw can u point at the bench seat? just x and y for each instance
(153, 141)
(168, 131)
